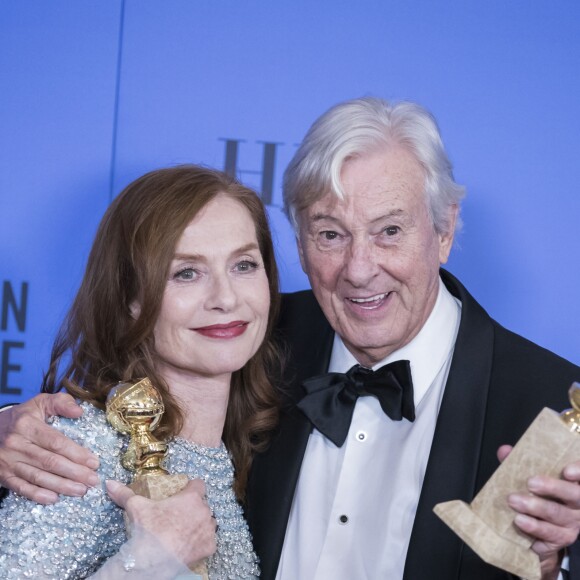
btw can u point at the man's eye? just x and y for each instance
(329, 235)
(392, 230)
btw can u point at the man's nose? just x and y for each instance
(360, 262)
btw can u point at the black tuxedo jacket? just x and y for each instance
(498, 383)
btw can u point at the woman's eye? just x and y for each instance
(329, 235)
(185, 274)
(246, 266)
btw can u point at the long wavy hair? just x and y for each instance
(100, 343)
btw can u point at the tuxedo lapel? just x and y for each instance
(271, 490)
(475, 417)
(275, 473)
(434, 550)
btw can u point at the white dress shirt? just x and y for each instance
(354, 505)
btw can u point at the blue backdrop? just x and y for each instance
(94, 93)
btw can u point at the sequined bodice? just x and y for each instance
(73, 538)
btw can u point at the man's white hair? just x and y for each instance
(359, 126)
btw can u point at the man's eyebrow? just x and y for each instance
(395, 213)
(324, 216)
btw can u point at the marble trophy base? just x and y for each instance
(159, 487)
(486, 525)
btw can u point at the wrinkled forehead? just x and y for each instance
(384, 172)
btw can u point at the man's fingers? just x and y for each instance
(572, 472)
(54, 483)
(566, 492)
(58, 452)
(503, 452)
(553, 524)
(37, 494)
(27, 454)
(29, 447)
(544, 509)
(549, 537)
(61, 404)
(38, 434)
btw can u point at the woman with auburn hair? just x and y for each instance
(181, 287)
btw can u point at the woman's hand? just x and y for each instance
(182, 523)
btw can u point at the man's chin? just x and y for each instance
(371, 350)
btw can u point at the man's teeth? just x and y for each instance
(371, 299)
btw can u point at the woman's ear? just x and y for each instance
(135, 309)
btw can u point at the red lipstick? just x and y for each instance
(229, 330)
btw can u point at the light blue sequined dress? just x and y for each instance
(74, 537)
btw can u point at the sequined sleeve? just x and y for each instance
(72, 538)
(76, 536)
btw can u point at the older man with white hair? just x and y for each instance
(348, 486)
(400, 388)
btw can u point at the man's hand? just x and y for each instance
(550, 513)
(182, 523)
(37, 461)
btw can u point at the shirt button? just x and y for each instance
(343, 519)
(361, 436)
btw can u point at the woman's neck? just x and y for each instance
(204, 404)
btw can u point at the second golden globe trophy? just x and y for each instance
(136, 409)
(487, 524)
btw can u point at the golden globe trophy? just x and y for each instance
(486, 525)
(136, 409)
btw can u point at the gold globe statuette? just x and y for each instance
(486, 524)
(571, 417)
(136, 409)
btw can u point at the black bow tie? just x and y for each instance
(330, 399)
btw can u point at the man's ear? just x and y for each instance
(301, 253)
(446, 239)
